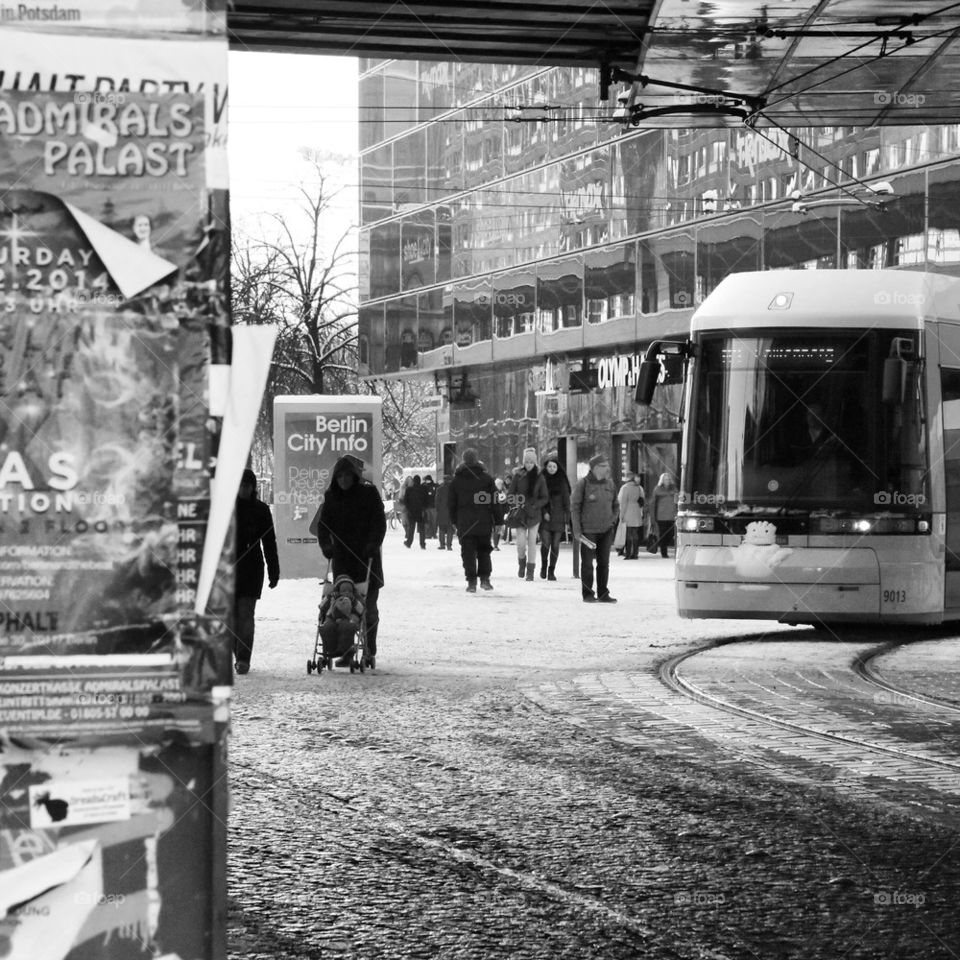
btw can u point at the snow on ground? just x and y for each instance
(429, 624)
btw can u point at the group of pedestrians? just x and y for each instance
(539, 503)
(661, 512)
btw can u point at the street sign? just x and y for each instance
(434, 402)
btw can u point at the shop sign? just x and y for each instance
(618, 370)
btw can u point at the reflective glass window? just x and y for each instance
(610, 279)
(514, 301)
(376, 184)
(418, 250)
(636, 168)
(399, 96)
(560, 294)
(384, 259)
(370, 104)
(472, 311)
(584, 199)
(434, 319)
(797, 241)
(401, 334)
(673, 256)
(410, 169)
(731, 245)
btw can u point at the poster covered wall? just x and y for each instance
(310, 435)
(113, 276)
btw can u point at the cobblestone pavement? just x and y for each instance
(514, 781)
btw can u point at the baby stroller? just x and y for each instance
(351, 649)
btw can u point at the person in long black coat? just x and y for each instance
(472, 495)
(350, 530)
(255, 537)
(415, 501)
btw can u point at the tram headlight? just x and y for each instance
(862, 526)
(695, 524)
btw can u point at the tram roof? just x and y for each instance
(828, 299)
(710, 63)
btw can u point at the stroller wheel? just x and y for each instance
(353, 668)
(309, 666)
(363, 664)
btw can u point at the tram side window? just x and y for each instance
(950, 393)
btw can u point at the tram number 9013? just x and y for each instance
(894, 596)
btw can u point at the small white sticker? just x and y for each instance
(67, 803)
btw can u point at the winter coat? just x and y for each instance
(254, 528)
(443, 504)
(594, 507)
(415, 501)
(471, 500)
(351, 526)
(664, 503)
(631, 504)
(558, 504)
(530, 485)
(429, 489)
(500, 506)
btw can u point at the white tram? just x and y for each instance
(820, 477)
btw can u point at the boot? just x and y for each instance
(550, 572)
(530, 568)
(522, 568)
(471, 586)
(543, 571)
(485, 584)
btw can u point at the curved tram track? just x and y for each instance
(843, 713)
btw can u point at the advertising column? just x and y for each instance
(310, 435)
(113, 690)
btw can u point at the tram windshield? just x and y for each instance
(798, 422)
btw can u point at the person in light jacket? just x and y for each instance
(664, 501)
(594, 510)
(631, 499)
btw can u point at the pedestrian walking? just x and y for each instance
(500, 529)
(471, 508)
(594, 509)
(350, 528)
(631, 500)
(415, 504)
(429, 507)
(528, 492)
(555, 515)
(665, 512)
(445, 527)
(255, 539)
(400, 508)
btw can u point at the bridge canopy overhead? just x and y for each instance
(549, 32)
(684, 62)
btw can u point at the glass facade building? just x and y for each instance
(520, 246)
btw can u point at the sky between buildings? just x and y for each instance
(280, 103)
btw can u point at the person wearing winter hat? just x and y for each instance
(594, 509)
(529, 492)
(554, 517)
(350, 527)
(255, 537)
(471, 504)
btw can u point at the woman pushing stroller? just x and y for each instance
(350, 528)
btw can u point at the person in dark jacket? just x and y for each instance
(471, 509)
(528, 491)
(444, 520)
(555, 515)
(414, 500)
(594, 511)
(350, 529)
(429, 507)
(255, 538)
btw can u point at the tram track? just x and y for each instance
(671, 676)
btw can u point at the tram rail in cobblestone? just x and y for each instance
(670, 676)
(863, 667)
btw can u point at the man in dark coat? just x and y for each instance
(350, 530)
(414, 500)
(255, 537)
(444, 520)
(429, 507)
(472, 495)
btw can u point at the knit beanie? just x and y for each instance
(597, 459)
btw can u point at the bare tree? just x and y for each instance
(409, 431)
